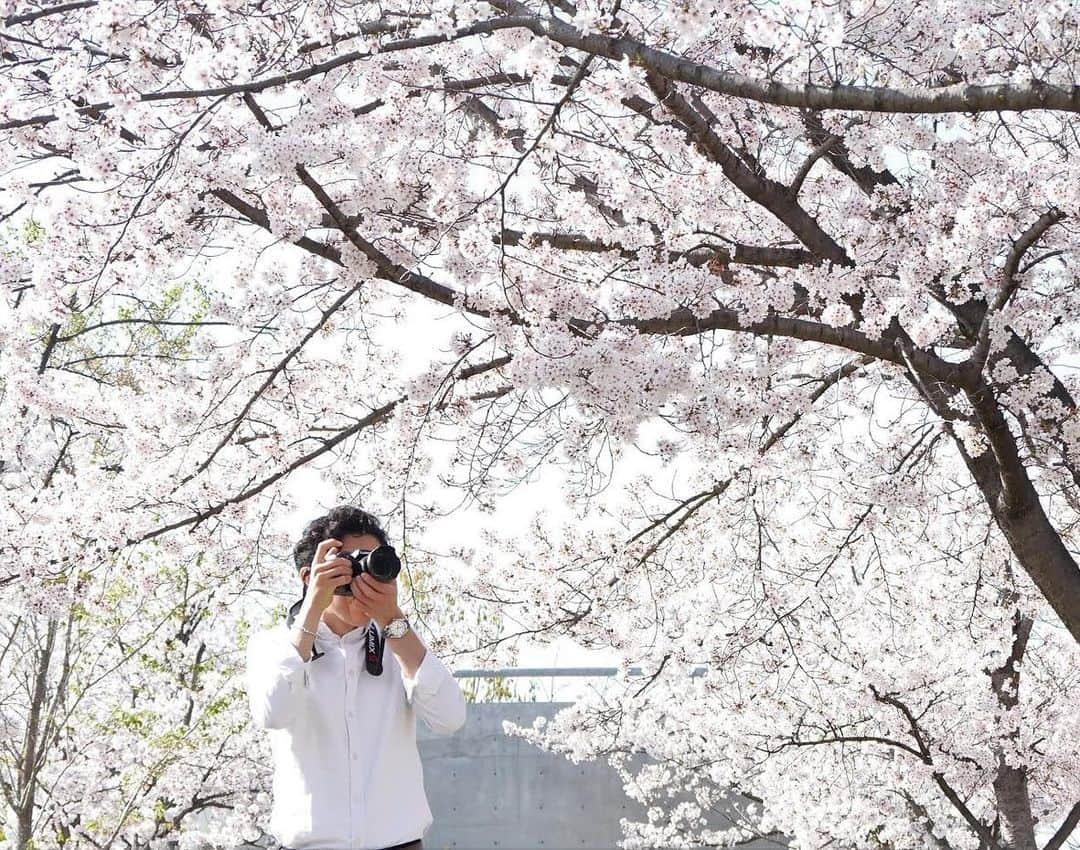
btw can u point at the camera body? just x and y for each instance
(381, 563)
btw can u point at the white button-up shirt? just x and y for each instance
(347, 773)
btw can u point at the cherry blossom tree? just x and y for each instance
(126, 724)
(123, 722)
(814, 259)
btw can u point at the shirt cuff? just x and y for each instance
(290, 665)
(428, 676)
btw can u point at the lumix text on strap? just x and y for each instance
(375, 645)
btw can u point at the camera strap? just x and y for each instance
(374, 650)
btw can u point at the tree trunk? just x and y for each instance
(1019, 513)
(1011, 782)
(26, 792)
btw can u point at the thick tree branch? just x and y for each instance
(738, 254)
(683, 322)
(768, 194)
(955, 98)
(1058, 839)
(836, 152)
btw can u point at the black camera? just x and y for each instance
(381, 563)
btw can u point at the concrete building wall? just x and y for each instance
(488, 789)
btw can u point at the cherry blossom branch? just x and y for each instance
(955, 98)
(268, 381)
(978, 827)
(817, 153)
(680, 321)
(379, 414)
(865, 177)
(1010, 283)
(95, 109)
(33, 747)
(684, 322)
(579, 75)
(845, 739)
(772, 196)
(1017, 491)
(379, 26)
(780, 201)
(1058, 839)
(924, 818)
(1009, 493)
(75, 334)
(701, 499)
(761, 193)
(749, 255)
(654, 676)
(58, 9)
(387, 269)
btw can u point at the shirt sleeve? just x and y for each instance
(435, 695)
(276, 679)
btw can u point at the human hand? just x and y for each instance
(327, 573)
(378, 599)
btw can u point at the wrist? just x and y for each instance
(393, 615)
(309, 616)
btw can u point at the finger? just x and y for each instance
(374, 592)
(377, 586)
(328, 567)
(365, 596)
(321, 549)
(364, 604)
(361, 590)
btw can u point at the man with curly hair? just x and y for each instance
(347, 773)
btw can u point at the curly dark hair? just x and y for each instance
(342, 520)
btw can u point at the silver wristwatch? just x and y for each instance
(396, 627)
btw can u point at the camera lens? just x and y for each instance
(383, 563)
